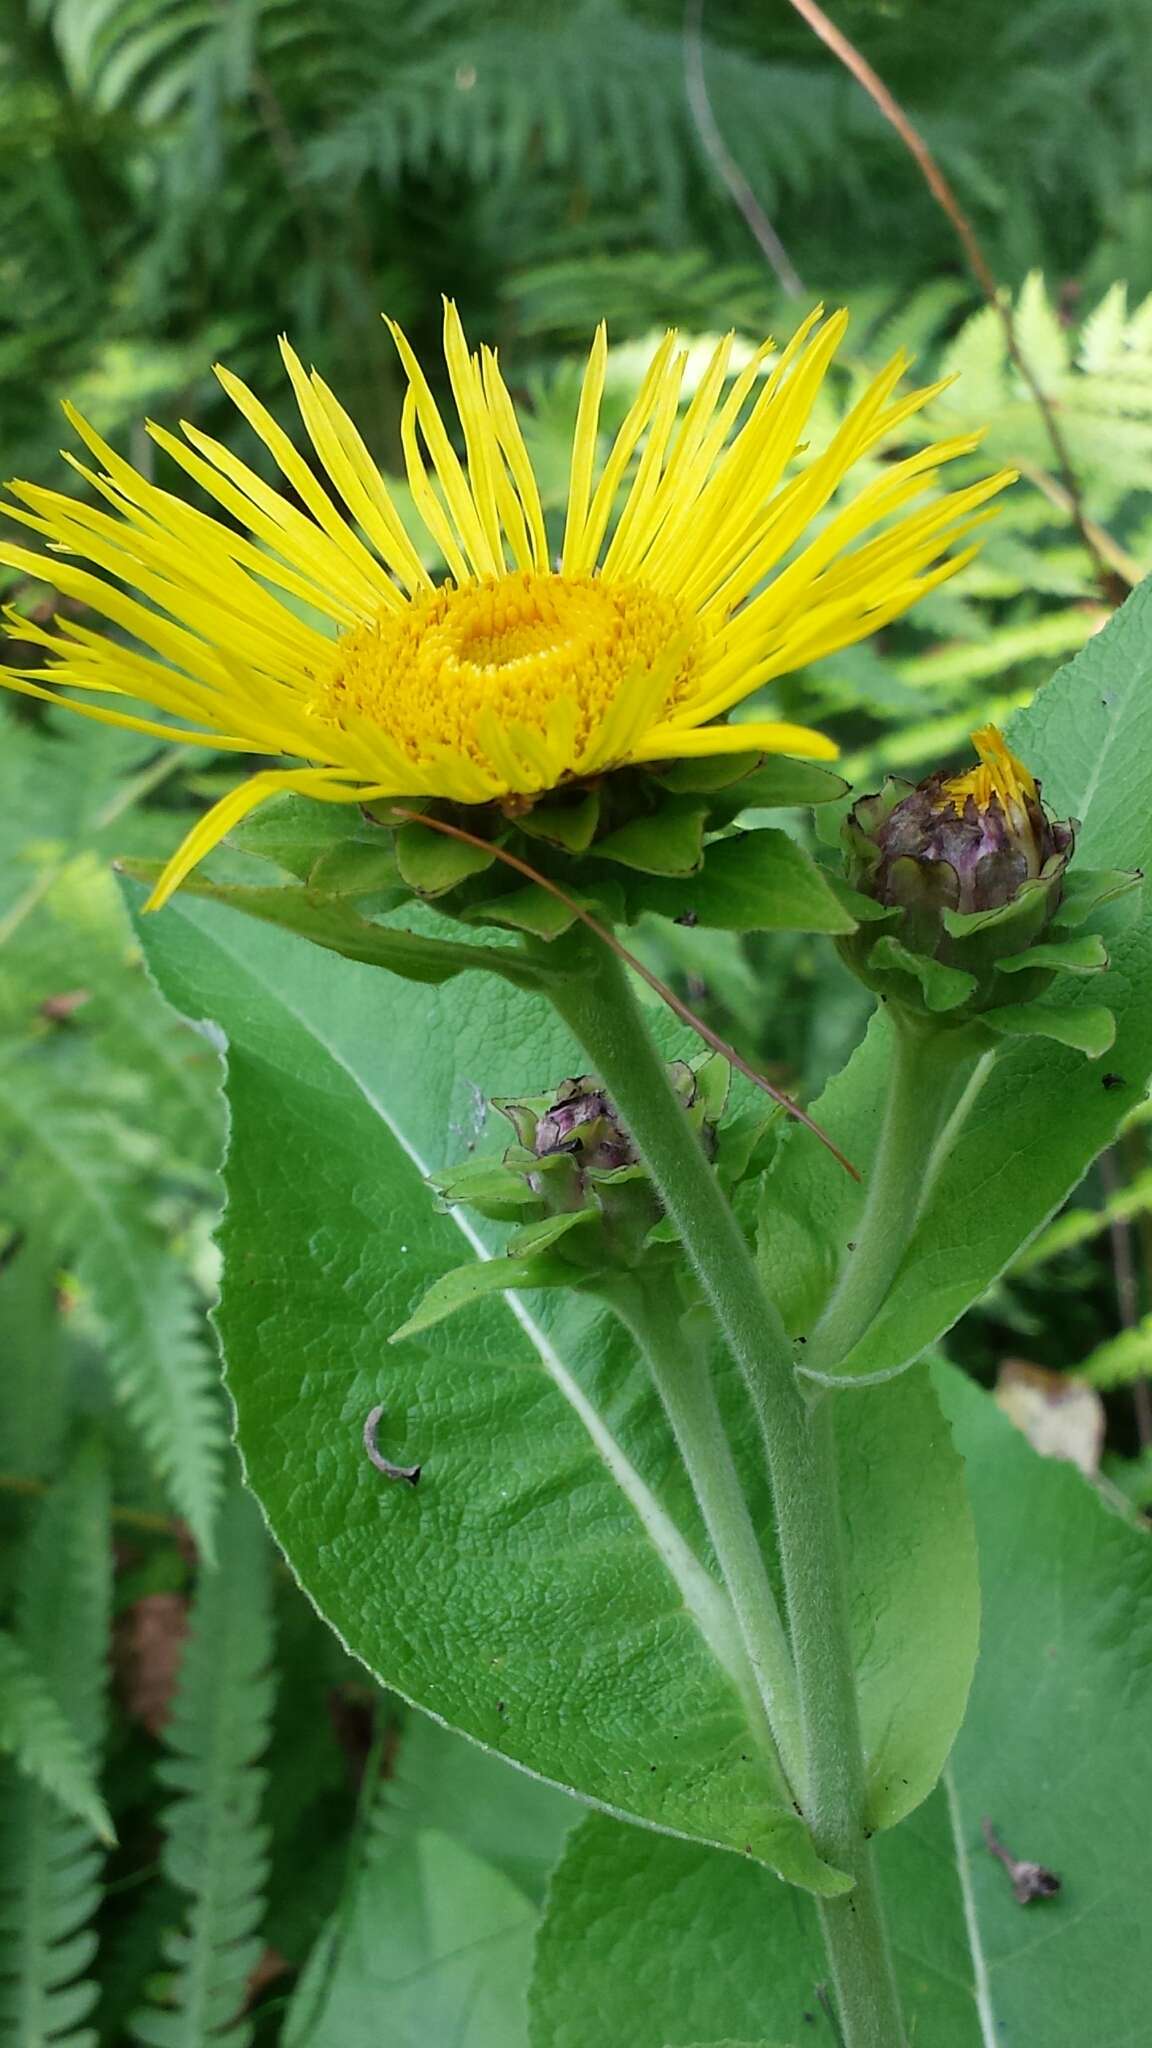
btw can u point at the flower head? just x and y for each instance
(965, 841)
(698, 562)
(966, 907)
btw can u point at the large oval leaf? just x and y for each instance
(547, 1587)
(1055, 1750)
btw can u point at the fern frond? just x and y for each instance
(33, 1347)
(49, 1863)
(77, 1182)
(215, 1851)
(1077, 1226)
(499, 100)
(1099, 380)
(1121, 1359)
(41, 1741)
(167, 1080)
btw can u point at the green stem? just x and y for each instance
(923, 1069)
(679, 1368)
(598, 1006)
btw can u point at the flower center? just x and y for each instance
(537, 660)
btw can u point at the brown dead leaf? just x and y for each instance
(58, 1009)
(149, 1646)
(1061, 1415)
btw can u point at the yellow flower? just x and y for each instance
(1000, 774)
(516, 674)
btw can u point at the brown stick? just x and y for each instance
(1110, 577)
(608, 938)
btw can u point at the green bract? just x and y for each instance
(616, 847)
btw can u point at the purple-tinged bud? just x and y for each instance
(983, 834)
(965, 910)
(582, 1121)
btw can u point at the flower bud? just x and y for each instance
(582, 1122)
(574, 1162)
(961, 842)
(964, 904)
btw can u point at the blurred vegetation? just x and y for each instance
(180, 180)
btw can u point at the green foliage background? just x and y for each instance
(179, 181)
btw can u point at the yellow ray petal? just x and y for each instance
(216, 823)
(302, 480)
(757, 736)
(482, 557)
(353, 473)
(442, 529)
(584, 452)
(516, 455)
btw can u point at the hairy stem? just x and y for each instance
(598, 1006)
(924, 1068)
(679, 1369)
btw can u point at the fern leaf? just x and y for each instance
(41, 1741)
(49, 1863)
(1122, 1359)
(216, 1847)
(78, 1182)
(32, 1345)
(1041, 337)
(1102, 334)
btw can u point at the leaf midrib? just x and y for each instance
(982, 1982)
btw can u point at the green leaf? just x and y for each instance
(548, 1471)
(754, 881)
(669, 843)
(702, 1947)
(546, 915)
(358, 867)
(943, 987)
(1078, 1226)
(1087, 890)
(777, 783)
(435, 1944)
(1089, 1028)
(435, 1930)
(570, 825)
(215, 1845)
(466, 1285)
(1084, 955)
(913, 1585)
(298, 832)
(35, 1731)
(487, 1185)
(431, 862)
(1035, 1115)
(327, 921)
(50, 1876)
(780, 783)
(506, 1819)
(704, 773)
(540, 1237)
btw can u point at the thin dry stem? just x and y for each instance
(1111, 576)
